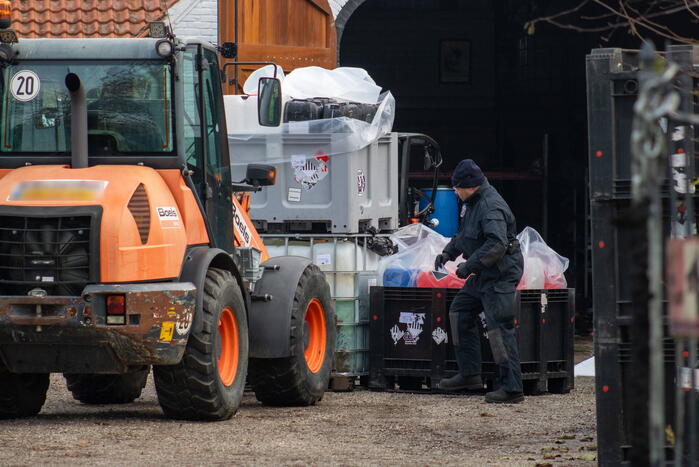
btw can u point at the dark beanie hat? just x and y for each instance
(467, 175)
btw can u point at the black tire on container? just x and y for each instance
(108, 389)
(194, 389)
(289, 381)
(22, 395)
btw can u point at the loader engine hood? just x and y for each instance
(130, 209)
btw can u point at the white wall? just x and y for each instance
(195, 18)
(336, 6)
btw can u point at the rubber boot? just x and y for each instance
(458, 382)
(502, 397)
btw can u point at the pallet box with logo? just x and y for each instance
(410, 339)
(324, 193)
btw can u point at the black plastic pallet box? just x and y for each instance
(612, 89)
(410, 339)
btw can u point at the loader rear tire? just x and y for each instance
(208, 383)
(22, 395)
(302, 378)
(108, 389)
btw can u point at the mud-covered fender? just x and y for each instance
(197, 261)
(269, 321)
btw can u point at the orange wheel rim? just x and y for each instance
(316, 335)
(228, 358)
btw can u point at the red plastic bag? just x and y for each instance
(439, 279)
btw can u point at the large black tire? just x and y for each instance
(22, 395)
(208, 383)
(107, 389)
(291, 381)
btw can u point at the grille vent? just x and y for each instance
(48, 252)
(140, 210)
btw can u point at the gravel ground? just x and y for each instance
(355, 428)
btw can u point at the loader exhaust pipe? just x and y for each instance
(78, 122)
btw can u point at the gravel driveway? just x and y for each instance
(355, 428)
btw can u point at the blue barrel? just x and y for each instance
(446, 210)
(399, 277)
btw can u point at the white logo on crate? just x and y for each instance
(439, 335)
(313, 170)
(396, 334)
(361, 182)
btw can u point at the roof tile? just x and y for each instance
(85, 18)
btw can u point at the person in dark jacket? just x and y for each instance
(493, 267)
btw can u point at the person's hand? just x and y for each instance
(462, 271)
(441, 260)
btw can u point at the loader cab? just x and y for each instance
(203, 138)
(150, 102)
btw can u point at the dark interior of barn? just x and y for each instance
(472, 75)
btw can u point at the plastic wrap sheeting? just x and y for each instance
(331, 136)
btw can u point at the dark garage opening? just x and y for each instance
(468, 74)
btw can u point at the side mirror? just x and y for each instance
(260, 175)
(269, 102)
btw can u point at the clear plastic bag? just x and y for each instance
(413, 265)
(336, 136)
(543, 267)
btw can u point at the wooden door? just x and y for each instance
(291, 33)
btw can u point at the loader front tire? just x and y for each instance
(107, 389)
(302, 378)
(22, 395)
(208, 383)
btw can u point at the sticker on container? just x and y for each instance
(439, 335)
(396, 334)
(298, 161)
(409, 318)
(166, 331)
(544, 303)
(323, 259)
(361, 182)
(312, 171)
(294, 195)
(25, 85)
(413, 333)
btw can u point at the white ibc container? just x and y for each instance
(350, 270)
(340, 259)
(345, 192)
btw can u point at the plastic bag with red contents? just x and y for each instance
(543, 267)
(413, 265)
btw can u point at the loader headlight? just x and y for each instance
(164, 48)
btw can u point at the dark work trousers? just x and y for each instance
(498, 306)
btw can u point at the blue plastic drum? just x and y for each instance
(399, 277)
(446, 210)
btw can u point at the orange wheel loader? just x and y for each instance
(123, 244)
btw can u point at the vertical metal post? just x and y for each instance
(545, 188)
(649, 149)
